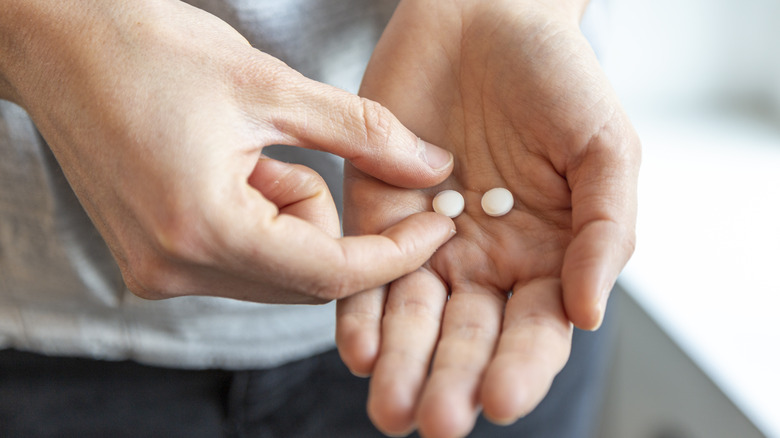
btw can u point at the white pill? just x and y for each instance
(449, 203)
(497, 202)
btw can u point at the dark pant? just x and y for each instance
(317, 397)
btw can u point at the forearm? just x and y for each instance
(27, 27)
(42, 42)
(12, 34)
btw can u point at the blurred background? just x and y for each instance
(698, 351)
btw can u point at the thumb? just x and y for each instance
(365, 133)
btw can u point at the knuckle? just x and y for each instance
(377, 121)
(261, 69)
(416, 308)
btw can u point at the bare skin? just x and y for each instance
(516, 94)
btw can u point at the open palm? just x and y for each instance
(520, 101)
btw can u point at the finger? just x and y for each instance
(364, 132)
(358, 324)
(249, 252)
(591, 266)
(535, 344)
(604, 197)
(450, 400)
(336, 268)
(410, 329)
(371, 206)
(297, 190)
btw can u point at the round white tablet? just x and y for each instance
(449, 203)
(497, 202)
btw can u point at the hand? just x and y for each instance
(516, 93)
(158, 113)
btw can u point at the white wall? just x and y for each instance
(691, 52)
(701, 80)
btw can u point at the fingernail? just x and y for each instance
(435, 156)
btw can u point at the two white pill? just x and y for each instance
(495, 202)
